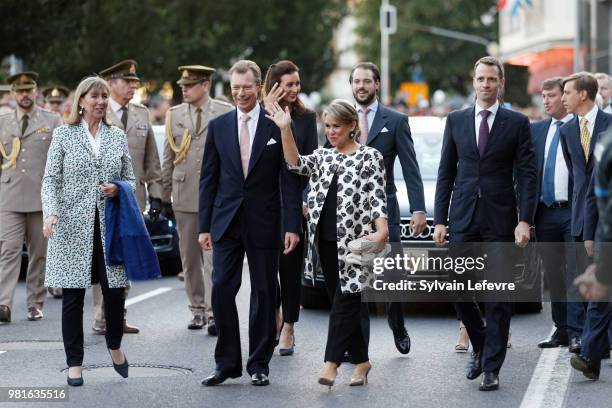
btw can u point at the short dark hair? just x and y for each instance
(552, 83)
(584, 81)
(492, 61)
(367, 65)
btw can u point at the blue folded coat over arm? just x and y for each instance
(127, 239)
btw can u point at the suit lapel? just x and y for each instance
(470, 129)
(379, 122)
(33, 122)
(261, 139)
(85, 139)
(207, 112)
(498, 125)
(104, 134)
(114, 119)
(232, 146)
(601, 123)
(541, 144)
(131, 118)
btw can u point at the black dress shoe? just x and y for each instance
(490, 382)
(575, 345)
(259, 379)
(556, 340)
(589, 368)
(74, 382)
(218, 376)
(121, 369)
(474, 367)
(402, 340)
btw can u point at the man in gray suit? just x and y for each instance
(388, 131)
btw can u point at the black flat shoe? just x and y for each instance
(402, 340)
(474, 367)
(288, 351)
(259, 379)
(122, 368)
(553, 342)
(490, 382)
(75, 382)
(218, 377)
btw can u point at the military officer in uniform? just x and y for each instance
(133, 119)
(186, 126)
(25, 136)
(55, 96)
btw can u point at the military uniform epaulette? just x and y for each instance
(139, 105)
(223, 103)
(177, 106)
(6, 114)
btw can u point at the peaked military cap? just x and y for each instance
(23, 80)
(193, 74)
(124, 69)
(56, 93)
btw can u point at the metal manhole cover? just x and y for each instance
(136, 370)
(32, 345)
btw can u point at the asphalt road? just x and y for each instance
(31, 355)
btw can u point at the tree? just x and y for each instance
(66, 40)
(445, 63)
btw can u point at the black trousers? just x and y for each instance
(72, 307)
(289, 291)
(491, 339)
(395, 315)
(349, 322)
(228, 256)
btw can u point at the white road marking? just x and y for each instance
(146, 295)
(2, 351)
(549, 381)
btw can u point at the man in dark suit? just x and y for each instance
(554, 216)
(483, 147)
(242, 182)
(388, 131)
(578, 139)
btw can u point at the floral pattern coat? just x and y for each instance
(361, 200)
(71, 191)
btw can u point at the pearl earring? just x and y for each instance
(81, 111)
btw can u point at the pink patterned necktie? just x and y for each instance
(245, 139)
(363, 136)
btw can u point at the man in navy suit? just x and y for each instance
(554, 216)
(242, 182)
(578, 139)
(483, 147)
(388, 131)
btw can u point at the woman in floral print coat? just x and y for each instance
(346, 201)
(85, 156)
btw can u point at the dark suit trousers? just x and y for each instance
(582, 261)
(289, 292)
(491, 339)
(228, 256)
(395, 316)
(72, 307)
(595, 336)
(555, 242)
(349, 322)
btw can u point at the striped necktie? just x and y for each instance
(585, 137)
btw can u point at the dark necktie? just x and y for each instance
(548, 184)
(198, 120)
(24, 124)
(483, 132)
(124, 117)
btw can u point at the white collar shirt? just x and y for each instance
(95, 142)
(561, 171)
(591, 116)
(477, 118)
(371, 111)
(252, 123)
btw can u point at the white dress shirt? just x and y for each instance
(252, 124)
(561, 171)
(591, 116)
(371, 112)
(477, 118)
(93, 141)
(115, 107)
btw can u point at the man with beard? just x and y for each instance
(186, 126)
(388, 131)
(25, 137)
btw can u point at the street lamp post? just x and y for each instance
(388, 26)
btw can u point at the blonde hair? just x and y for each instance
(344, 112)
(86, 85)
